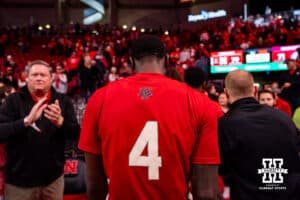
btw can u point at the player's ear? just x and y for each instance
(255, 89)
(226, 93)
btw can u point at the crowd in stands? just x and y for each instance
(85, 58)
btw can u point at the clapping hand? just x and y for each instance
(53, 113)
(35, 112)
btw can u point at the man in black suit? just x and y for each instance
(258, 145)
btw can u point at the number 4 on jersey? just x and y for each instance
(148, 137)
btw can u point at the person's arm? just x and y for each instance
(96, 181)
(10, 125)
(206, 157)
(205, 182)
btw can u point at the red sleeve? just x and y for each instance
(89, 140)
(206, 150)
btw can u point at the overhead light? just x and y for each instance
(133, 28)
(142, 30)
(40, 28)
(47, 26)
(124, 26)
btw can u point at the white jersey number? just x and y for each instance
(148, 136)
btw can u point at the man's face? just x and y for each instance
(266, 99)
(39, 79)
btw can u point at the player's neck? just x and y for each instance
(149, 68)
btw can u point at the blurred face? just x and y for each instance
(87, 61)
(223, 101)
(113, 70)
(39, 79)
(266, 99)
(59, 69)
(212, 90)
(292, 65)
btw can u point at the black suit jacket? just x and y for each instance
(259, 152)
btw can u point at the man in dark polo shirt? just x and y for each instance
(258, 145)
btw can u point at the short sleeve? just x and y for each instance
(206, 150)
(89, 138)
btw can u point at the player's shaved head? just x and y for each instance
(239, 84)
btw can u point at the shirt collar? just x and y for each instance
(34, 98)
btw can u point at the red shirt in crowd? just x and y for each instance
(283, 106)
(149, 129)
(72, 63)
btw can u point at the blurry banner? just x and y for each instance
(220, 58)
(282, 53)
(94, 13)
(258, 56)
(205, 15)
(253, 60)
(256, 67)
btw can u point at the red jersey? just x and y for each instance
(149, 129)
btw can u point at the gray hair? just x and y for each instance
(38, 62)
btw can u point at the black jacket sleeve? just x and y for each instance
(10, 125)
(70, 125)
(226, 143)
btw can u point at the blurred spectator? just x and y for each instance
(22, 79)
(291, 76)
(10, 63)
(281, 36)
(223, 102)
(273, 90)
(184, 54)
(10, 77)
(172, 73)
(269, 41)
(202, 59)
(266, 97)
(60, 80)
(5, 90)
(125, 69)
(268, 10)
(212, 92)
(113, 74)
(88, 76)
(283, 105)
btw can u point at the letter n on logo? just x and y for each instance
(71, 167)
